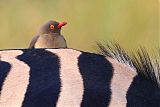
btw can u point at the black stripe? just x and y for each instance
(44, 82)
(143, 92)
(4, 70)
(97, 73)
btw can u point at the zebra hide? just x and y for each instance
(71, 78)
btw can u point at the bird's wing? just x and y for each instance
(66, 43)
(63, 40)
(33, 41)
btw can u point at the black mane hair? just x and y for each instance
(140, 60)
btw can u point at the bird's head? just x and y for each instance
(52, 27)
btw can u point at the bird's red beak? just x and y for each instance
(61, 24)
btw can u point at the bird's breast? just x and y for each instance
(50, 41)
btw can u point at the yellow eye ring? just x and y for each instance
(51, 26)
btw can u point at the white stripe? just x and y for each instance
(71, 80)
(121, 80)
(16, 82)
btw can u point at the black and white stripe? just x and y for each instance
(71, 78)
(15, 82)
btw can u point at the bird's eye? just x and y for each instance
(51, 26)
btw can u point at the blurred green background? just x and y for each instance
(129, 22)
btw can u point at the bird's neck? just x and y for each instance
(53, 33)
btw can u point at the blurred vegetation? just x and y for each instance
(129, 22)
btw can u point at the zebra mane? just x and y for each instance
(140, 60)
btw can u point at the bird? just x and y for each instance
(49, 36)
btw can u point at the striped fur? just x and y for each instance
(71, 78)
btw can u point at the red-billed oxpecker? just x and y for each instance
(49, 36)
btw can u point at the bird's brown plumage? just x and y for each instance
(49, 36)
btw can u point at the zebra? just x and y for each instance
(74, 78)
